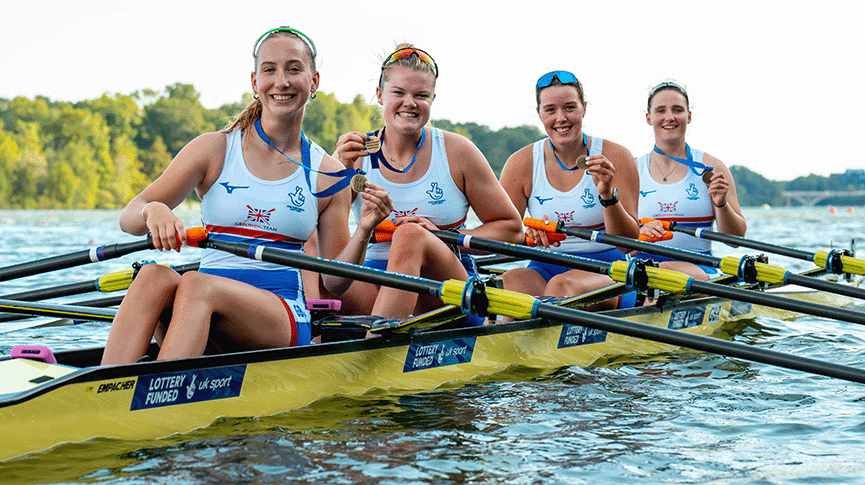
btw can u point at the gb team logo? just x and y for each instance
(667, 208)
(258, 216)
(565, 217)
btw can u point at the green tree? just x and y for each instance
(753, 189)
(177, 117)
(811, 182)
(497, 146)
(9, 155)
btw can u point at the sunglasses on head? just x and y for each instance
(408, 52)
(285, 28)
(564, 77)
(668, 84)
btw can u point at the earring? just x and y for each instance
(255, 95)
(312, 95)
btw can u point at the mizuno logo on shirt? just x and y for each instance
(647, 192)
(231, 188)
(541, 201)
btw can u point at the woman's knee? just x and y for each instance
(565, 285)
(155, 279)
(193, 285)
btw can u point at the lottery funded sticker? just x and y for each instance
(372, 144)
(358, 182)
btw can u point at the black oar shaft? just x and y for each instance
(70, 260)
(73, 289)
(740, 241)
(699, 342)
(827, 286)
(55, 310)
(699, 286)
(549, 311)
(319, 265)
(526, 252)
(697, 258)
(624, 242)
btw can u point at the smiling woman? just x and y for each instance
(247, 193)
(578, 180)
(679, 184)
(433, 177)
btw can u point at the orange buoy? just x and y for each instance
(833, 210)
(850, 210)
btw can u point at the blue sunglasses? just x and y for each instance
(564, 77)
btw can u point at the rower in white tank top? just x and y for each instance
(687, 202)
(434, 196)
(578, 207)
(242, 207)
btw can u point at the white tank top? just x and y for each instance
(578, 207)
(687, 202)
(242, 207)
(434, 196)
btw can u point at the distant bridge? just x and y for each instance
(810, 198)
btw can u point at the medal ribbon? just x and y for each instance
(378, 156)
(566, 169)
(689, 161)
(345, 175)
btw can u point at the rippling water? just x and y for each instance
(679, 418)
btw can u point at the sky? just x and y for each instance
(775, 86)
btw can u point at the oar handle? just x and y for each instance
(551, 237)
(663, 237)
(646, 220)
(548, 226)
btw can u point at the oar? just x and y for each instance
(100, 253)
(834, 261)
(56, 310)
(745, 268)
(636, 275)
(473, 296)
(116, 281)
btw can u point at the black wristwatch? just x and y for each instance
(608, 202)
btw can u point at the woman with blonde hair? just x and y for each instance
(259, 183)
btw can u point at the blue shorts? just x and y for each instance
(468, 263)
(547, 270)
(286, 284)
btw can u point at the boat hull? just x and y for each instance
(77, 400)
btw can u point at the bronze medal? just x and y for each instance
(358, 182)
(707, 177)
(581, 162)
(373, 144)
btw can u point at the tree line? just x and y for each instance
(99, 153)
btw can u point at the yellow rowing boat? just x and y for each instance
(44, 404)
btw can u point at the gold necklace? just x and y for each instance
(664, 176)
